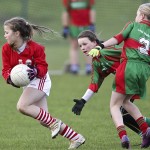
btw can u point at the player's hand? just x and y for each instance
(95, 52)
(92, 27)
(77, 108)
(9, 81)
(65, 32)
(32, 72)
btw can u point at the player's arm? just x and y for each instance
(65, 20)
(95, 52)
(40, 62)
(93, 88)
(111, 42)
(6, 67)
(92, 11)
(92, 18)
(65, 24)
(117, 39)
(79, 103)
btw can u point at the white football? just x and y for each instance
(19, 75)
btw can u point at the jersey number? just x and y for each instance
(145, 46)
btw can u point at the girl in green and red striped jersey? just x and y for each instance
(132, 73)
(103, 66)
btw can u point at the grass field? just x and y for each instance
(18, 132)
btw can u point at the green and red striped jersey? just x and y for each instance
(136, 37)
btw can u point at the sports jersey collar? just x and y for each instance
(145, 22)
(21, 49)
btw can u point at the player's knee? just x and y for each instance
(21, 108)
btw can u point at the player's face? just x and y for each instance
(139, 16)
(86, 45)
(10, 35)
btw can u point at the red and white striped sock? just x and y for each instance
(45, 117)
(70, 134)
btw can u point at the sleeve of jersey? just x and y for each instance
(124, 33)
(93, 87)
(96, 78)
(6, 67)
(40, 60)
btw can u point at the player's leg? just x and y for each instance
(74, 51)
(129, 121)
(29, 104)
(88, 59)
(136, 114)
(33, 103)
(88, 66)
(115, 104)
(27, 99)
(74, 56)
(43, 105)
(75, 139)
(145, 118)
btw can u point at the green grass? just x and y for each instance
(18, 132)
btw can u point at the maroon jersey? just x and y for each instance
(33, 51)
(79, 11)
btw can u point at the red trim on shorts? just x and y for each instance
(41, 83)
(136, 97)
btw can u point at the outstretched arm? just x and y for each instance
(111, 42)
(96, 82)
(77, 108)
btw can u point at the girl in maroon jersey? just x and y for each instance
(132, 74)
(33, 100)
(78, 15)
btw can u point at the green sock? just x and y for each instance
(147, 120)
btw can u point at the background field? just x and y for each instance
(18, 132)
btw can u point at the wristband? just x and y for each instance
(88, 94)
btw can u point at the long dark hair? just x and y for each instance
(25, 28)
(90, 35)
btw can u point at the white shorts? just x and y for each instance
(43, 84)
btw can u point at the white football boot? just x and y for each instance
(75, 144)
(55, 128)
